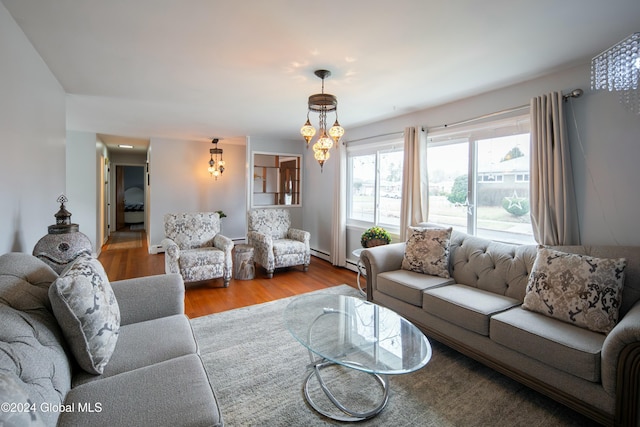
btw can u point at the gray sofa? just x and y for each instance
(478, 312)
(154, 376)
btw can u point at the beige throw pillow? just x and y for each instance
(86, 309)
(577, 289)
(427, 251)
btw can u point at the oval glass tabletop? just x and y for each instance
(357, 333)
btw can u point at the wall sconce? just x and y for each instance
(216, 165)
(618, 69)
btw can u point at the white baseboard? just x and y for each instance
(156, 249)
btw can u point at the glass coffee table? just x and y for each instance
(343, 331)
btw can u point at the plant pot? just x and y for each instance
(375, 242)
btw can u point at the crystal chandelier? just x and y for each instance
(322, 103)
(617, 69)
(216, 166)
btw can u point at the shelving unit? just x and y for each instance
(276, 180)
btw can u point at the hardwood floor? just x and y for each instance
(126, 255)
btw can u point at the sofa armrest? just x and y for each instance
(263, 249)
(380, 259)
(151, 297)
(626, 333)
(171, 256)
(299, 235)
(223, 243)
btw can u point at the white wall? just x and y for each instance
(319, 189)
(605, 150)
(32, 137)
(179, 182)
(84, 185)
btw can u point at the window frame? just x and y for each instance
(472, 134)
(377, 149)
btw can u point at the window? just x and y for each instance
(479, 179)
(375, 184)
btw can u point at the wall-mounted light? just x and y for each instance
(216, 164)
(617, 69)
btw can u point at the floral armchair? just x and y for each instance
(195, 248)
(275, 243)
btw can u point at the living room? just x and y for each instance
(602, 134)
(58, 140)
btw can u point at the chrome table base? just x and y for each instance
(349, 414)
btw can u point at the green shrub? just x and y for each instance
(516, 206)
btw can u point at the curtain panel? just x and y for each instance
(415, 185)
(339, 221)
(553, 208)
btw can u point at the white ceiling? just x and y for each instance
(195, 69)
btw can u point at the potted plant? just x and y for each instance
(221, 214)
(375, 236)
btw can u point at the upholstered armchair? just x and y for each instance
(195, 248)
(275, 243)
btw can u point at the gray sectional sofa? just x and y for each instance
(478, 311)
(154, 376)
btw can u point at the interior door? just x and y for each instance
(120, 197)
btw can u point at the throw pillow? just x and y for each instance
(577, 289)
(427, 251)
(86, 309)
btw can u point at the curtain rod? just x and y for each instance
(475, 119)
(576, 93)
(374, 136)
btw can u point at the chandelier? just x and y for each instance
(216, 165)
(617, 69)
(322, 103)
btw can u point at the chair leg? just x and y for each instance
(305, 268)
(269, 274)
(226, 283)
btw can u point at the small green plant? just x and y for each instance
(375, 235)
(221, 214)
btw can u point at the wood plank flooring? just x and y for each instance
(126, 255)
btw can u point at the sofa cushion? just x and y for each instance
(11, 393)
(162, 339)
(31, 342)
(465, 306)
(582, 290)
(172, 393)
(86, 309)
(407, 285)
(551, 341)
(427, 251)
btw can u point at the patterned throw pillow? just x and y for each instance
(427, 251)
(577, 289)
(86, 309)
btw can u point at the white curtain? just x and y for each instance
(339, 220)
(415, 185)
(553, 209)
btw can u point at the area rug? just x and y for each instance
(256, 368)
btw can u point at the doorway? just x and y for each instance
(130, 197)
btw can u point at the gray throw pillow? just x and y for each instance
(86, 309)
(577, 289)
(427, 251)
